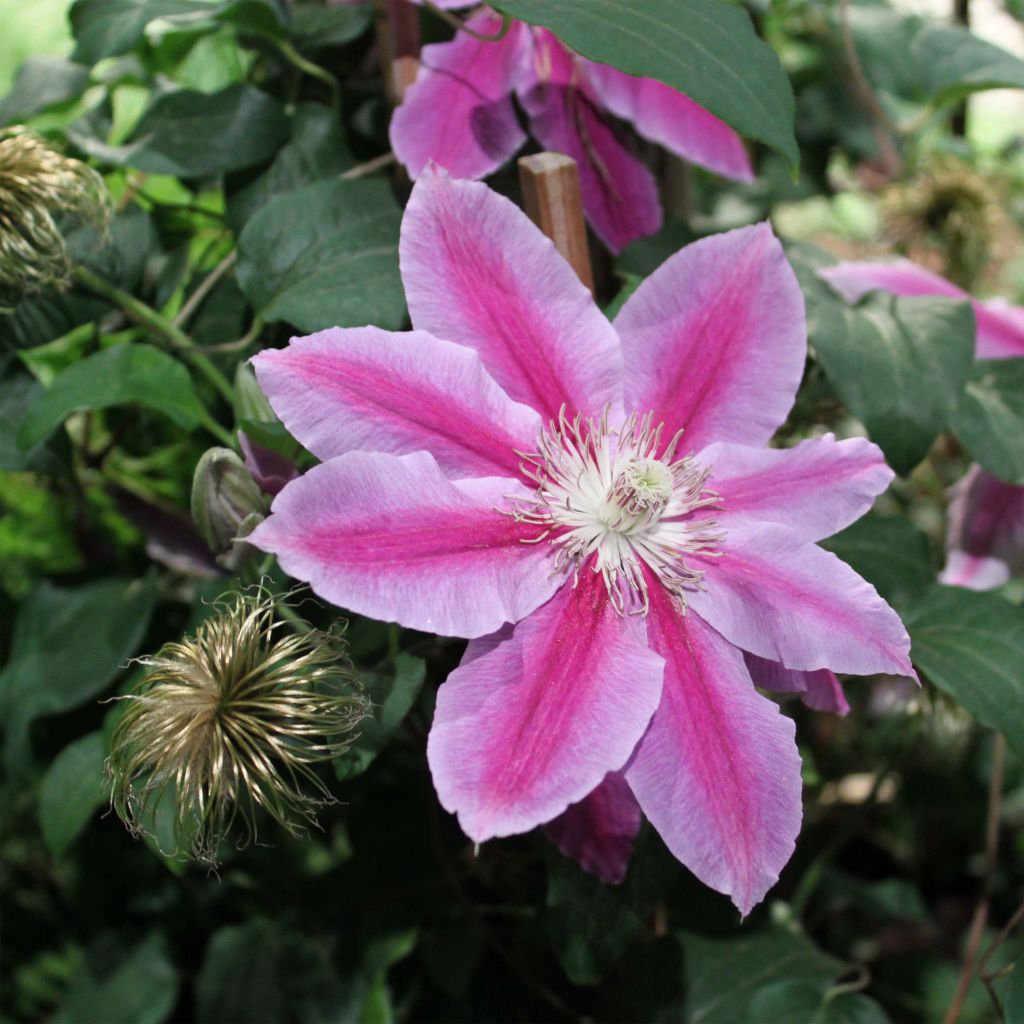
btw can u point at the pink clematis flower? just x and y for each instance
(459, 114)
(592, 506)
(985, 534)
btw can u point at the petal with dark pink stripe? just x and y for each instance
(392, 538)
(798, 604)
(715, 341)
(820, 690)
(717, 772)
(363, 388)
(478, 272)
(599, 831)
(532, 724)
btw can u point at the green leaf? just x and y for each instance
(324, 256)
(724, 975)
(971, 646)
(317, 149)
(123, 375)
(191, 134)
(106, 28)
(314, 26)
(71, 790)
(141, 989)
(42, 82)
(707, 49)
(953, 62)
(67, 646)
(989, 420)
(241, 976)
(806, 1002)
(898, 364)
(889, 552)
(392, 698)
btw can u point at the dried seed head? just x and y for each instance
(39, 185)
(228, 722)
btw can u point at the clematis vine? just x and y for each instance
(591, 504)
(459, 113)
(985, 532)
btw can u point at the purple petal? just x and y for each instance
(364, 388)
(820, 690)
(671, 119)
(715, 339)
(533, 723)
(620, 195)
(392, 538)
(478, 272)
(598, 832)
(717, 772)
(1000, 326)
(459, 111)
(269, 469)
(815, 488)
(792, 602)
(985, 533)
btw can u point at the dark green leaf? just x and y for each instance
(241, 976)
(889, 552)
(325, 255)
(989, 419)
(392, 698)
(141, 989)
(106, 28)
(898, 364)
(971, 646)
(706, 49)
(805, 1001)
(723, 975)
(191, 134)
(71, 790)
(42, 82)
(67, 646)
(317, 149)
(122, 375)
(954, 62)
(316, 26)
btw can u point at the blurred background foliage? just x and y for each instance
(224, 130)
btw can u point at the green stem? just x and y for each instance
(296, 59)
(158, 325)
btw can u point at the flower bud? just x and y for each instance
(224, 496)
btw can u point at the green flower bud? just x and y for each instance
(224, 497)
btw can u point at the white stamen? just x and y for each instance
(614, 494)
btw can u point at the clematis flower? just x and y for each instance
(985, 534)
(459, 114)
(591, 505)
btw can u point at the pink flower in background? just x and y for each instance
(460, 114)
(985, 533)
(592, 506)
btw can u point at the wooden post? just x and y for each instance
(398, 43)
(552, 200)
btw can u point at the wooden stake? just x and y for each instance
(398, 42)
(552, 200)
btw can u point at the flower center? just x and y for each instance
(617, 500)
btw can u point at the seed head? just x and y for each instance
(39, 185)
(227, 722)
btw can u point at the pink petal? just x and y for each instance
(599, 831)
(715, 339)
(459, 111)
(390, 537)
(775, 596)
(478, 272)
(671, 119)
(815, 488)
(363, 388)
(1000, 326)
(985, 533)
(820, 690)
(533, 723)
(620, 195)
(269, 469)
(717, 772)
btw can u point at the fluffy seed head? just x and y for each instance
(227, 722)
(38, 185)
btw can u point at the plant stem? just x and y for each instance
(206, 286)
(980, 918)
(157, 324)
(296, 59)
